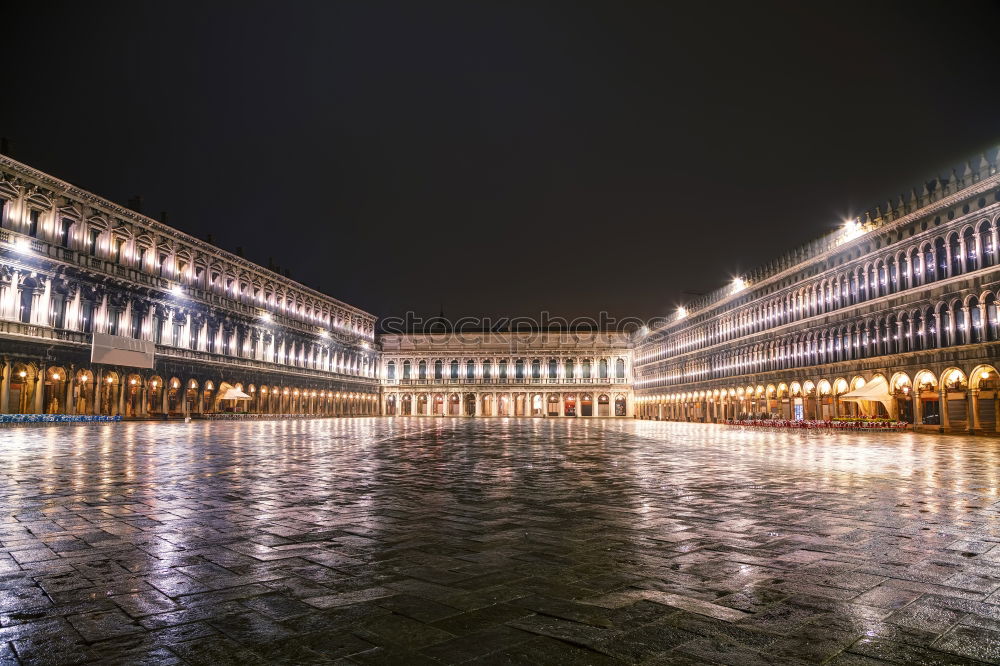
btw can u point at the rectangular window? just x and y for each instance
(58, 312)
(33, 216)
(87, 317)
(64, 227)
(94, 235)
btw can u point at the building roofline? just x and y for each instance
(156, 225)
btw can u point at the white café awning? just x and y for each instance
(876, 390)
(235, 394)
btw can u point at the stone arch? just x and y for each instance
(982, 374)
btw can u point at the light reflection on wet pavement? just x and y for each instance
(495, 541)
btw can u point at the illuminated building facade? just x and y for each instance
(73, 264)
(895, 315)
(536, 374)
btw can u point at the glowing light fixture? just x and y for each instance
(851, 230)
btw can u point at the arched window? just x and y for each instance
(958, 324)
(519, 369)
(487, 368)
(956, 254)
(917, 339)
(603, 368)
(942, 259)
(390, 370)
(912, 274)
(536, 369)
(903, 344)
(975, 321)
(406, 369)
(971, 259)
(620, 368)
(586, 369)
(570, 369)
(422, 370)
(470, 369)
(891, 335)
(944, 324)
(454, 369)
(438, 370)
(553, 368)
(870, 342)
(992, 333)
(986, 244)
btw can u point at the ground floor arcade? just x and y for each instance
(586, 404)
(951, 398)
(33, 387)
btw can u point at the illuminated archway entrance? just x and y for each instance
(569, 405)
(603, 405)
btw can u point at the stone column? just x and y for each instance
(39, 394)
(973, 397)
(918, 407)
(69, 406)
(122, 390)
(5, 371)
(98, 388)
(943, 407)
(562, 405)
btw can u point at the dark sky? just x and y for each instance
(502, 158)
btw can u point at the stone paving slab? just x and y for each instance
(409, 541)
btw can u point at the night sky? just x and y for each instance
(502, 158)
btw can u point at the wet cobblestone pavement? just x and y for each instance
(495, 542)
